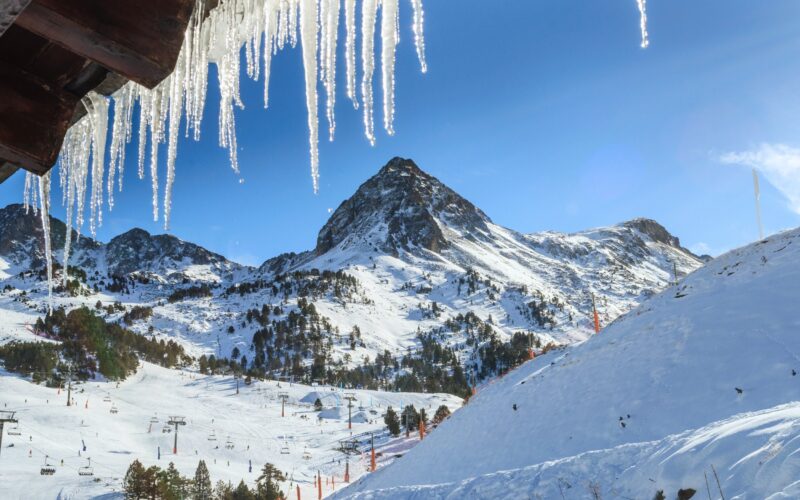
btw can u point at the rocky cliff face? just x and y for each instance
(401, 208)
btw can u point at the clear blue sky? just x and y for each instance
(545, 113)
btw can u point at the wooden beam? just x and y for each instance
(6, 170)
(35, 116)
(139, 39)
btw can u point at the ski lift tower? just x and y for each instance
(176, 421)
(5, 416)
(284, 396)
(350, 397)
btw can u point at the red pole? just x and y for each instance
(421, 429)
(347, 472)
(596, 317)
(372, 464)
(298, 492)
(319, 485)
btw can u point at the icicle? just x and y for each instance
(270, 34)
(97, 111)
(218, 36)
(419, 33)
(27, 192)
(309, 29)
(388, 48)
(369, 10)
(175, 113)
(120, 136)
(44, 198)
(69, 192)
(145, 102)
(642, 4)
(155, 139)
(330, 29)
(350, 49)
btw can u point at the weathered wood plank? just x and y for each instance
(139, 39)
(6, 170)
(35, 117)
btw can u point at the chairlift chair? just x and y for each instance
(166, 429)
(153, 420)
(113, 410)
(47, 469)
(285, 449)
(14, 430)
(306, 455)
(229, 444)
(107, 398)
(86, 470)
(212, 436)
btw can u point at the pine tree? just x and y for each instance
(242, 492)
(392, 421)
(134, 484)
(441, 414)
(171, 486)
(267, 483)
(202, 483)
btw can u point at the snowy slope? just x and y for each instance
(211, 406)
(703, 374)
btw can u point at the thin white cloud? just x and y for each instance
(778, 163)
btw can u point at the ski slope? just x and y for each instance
(704, 374)
(251, 421)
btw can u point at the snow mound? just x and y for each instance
(704, 374)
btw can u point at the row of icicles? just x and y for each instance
(262, 27)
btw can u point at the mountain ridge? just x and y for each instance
(408, 255)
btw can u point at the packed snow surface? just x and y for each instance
(299, 444)
(703, 375)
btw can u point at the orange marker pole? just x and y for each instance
(596, 317)
(298, 492)
(319, 485)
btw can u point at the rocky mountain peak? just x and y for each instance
(137, 250)
(654, 230)
(401, 208)
(22, 237)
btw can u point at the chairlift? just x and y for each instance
(306, 455)
(86, 470)
(113, 410)
(285, 449)
(47, 469)
(166, 429)
(14, 430)
(153, 420)
(212, 436)
(229, 443)
(107, 398)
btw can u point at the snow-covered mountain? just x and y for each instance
(416, 255)
(136, 252)
(697, 389)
